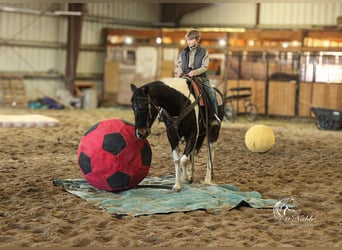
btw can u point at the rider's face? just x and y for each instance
(192, 42)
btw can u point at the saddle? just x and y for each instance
(194, 85)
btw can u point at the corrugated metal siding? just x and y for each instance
(53, 29)
(31, 59)
(33, 28)
(91, 32)
(28, 27)
(90, 62)
(299, 14)
(36, 88)
(291, 14)
(36, 6)
(146, 12)
(224, 14)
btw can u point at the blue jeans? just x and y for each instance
(211, 95)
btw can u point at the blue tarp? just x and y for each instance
(154, 196)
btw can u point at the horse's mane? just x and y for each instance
(171, 88)
(169, 95)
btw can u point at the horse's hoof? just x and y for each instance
(176, 190)
(208, 182)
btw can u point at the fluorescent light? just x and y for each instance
(67, 13)
(12, 9)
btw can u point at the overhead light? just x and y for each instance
(251, 42)
(295, 43)
(222, 42)
(20, 10)
(67, 13)
(128, 40)
(326, 43)
(159, 40)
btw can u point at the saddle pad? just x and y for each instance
(32, 120)
(154, 196)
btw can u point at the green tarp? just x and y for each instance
(154, 196)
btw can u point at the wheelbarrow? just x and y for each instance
(327, 119)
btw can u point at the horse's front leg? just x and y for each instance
(187, 166)
(210, 165)
(178, 181)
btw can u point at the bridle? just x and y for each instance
(148, 110)
(174, 121)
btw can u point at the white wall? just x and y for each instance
(272, 15)
(222, 14)
(300, 14)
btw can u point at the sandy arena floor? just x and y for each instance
(305, 164)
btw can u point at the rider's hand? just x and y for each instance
(191, 74)
(179, 75)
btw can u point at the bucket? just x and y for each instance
(89, 99)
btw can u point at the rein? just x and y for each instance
(175, 121)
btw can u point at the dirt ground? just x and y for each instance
(305, 164)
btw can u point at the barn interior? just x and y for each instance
(67, 66)
(85, 55)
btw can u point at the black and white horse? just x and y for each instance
(174, 102)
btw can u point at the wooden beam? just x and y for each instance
(73, 45)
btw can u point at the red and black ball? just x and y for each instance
(111, 158)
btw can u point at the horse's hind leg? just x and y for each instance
(210, 166)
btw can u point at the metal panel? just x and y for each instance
(28, 27)
(90, 62)
(91, 32)
(129, 11)
(36, 88)
(229, 14)
(31, 59)
(299, 14)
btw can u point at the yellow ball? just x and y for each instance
(259, 138)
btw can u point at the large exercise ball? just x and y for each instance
(259, 138)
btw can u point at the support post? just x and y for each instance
(73, 44)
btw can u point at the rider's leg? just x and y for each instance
(212, 99)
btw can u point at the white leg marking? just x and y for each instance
(177, 185)
(184, 165)
(190, 166)
(210, 163)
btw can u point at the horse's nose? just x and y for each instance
(141, 133)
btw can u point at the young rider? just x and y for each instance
(194, 61)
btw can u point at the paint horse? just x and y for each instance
(175, 102)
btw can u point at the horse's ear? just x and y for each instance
(145, 88)
(133, 87)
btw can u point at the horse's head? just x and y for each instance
(144, 112)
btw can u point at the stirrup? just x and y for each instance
(217, 118)
(214, 123)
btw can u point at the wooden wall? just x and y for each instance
(282, 96)
(305, 99)
(327, 95)
(322, 95)
(258, 93)
(111, 81)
